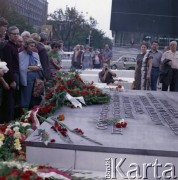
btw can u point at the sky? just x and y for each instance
(100, 10)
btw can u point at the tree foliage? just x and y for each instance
(71, 26)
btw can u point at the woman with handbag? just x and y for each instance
(30, 71)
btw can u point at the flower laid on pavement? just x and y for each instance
(61, 117)
(120, 88)
(52, 140)
(78, 131)
(120, 123)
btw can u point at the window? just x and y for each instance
(132, 60)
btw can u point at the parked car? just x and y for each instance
(66, 60)
(124, 62)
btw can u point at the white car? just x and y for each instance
(124, 62)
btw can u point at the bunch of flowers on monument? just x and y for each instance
(20, 170)
(12, 137)
(120, 88)
(71, 83)
(120, 123)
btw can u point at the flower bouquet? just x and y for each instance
(12, 139)
(19, 170)
(72, 84)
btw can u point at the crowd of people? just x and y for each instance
(29, 56)
(87, 58)
(155, 67)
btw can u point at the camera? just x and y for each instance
(106, 68)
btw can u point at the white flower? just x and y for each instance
(16, 129)
(28, 115)
(13, 164)
(17, 123)
(17, 134)
(25, 124)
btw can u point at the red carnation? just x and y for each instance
(118, 125)
(2, 178)
(3, 128)
(14, 172)
(59, 128)
(77, 76)
(41, 167)
(53, 140)
(56, 124)
(53, 128)
(69, 82)
(64, 133)
(63, 88)
(119, 86)
(123, 124)
(78, 131)
(52, 103)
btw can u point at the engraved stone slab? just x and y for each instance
(152, 127)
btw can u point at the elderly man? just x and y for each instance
(3, 29)
(25, 35)
(10, 56)
(170, 58)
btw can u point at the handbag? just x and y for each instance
(39, 85)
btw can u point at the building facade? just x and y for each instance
(34, 11)
(133, 21)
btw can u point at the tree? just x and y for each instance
(72, 27)
(66, 24)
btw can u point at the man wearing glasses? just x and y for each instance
(10, 56)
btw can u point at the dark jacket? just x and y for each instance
(166, 73)
(76, 61)
(44, 59)
(11, 57)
